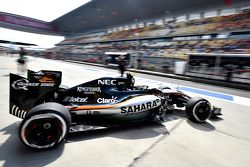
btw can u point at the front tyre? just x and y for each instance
(198, 109)
(45, 126)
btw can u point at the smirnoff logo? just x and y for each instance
(23, 84)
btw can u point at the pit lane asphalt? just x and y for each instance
(177, 142)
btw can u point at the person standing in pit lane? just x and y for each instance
(121, 64)
(22, 65)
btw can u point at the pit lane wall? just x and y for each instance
(224, 67)
(228, 70)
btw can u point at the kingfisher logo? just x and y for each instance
(88, 90)
(103, 100)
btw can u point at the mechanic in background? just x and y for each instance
(121, 64)
(22, 65)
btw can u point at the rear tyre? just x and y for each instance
(45, 126)
(198, 110)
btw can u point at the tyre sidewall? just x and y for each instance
(48, 108)
(190, 106)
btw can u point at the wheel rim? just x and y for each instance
(202, 111)
(43, 131)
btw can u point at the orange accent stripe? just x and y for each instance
(92, 107)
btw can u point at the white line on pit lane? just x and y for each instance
(154, 83)
(236, 99)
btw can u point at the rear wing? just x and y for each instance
(38, 87)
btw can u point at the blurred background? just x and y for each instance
(206, 39)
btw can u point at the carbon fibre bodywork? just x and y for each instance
(50, 111)
(110, 98)
(101, 100)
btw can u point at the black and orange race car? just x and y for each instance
(50, 111)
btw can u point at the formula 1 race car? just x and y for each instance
(50, 111)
